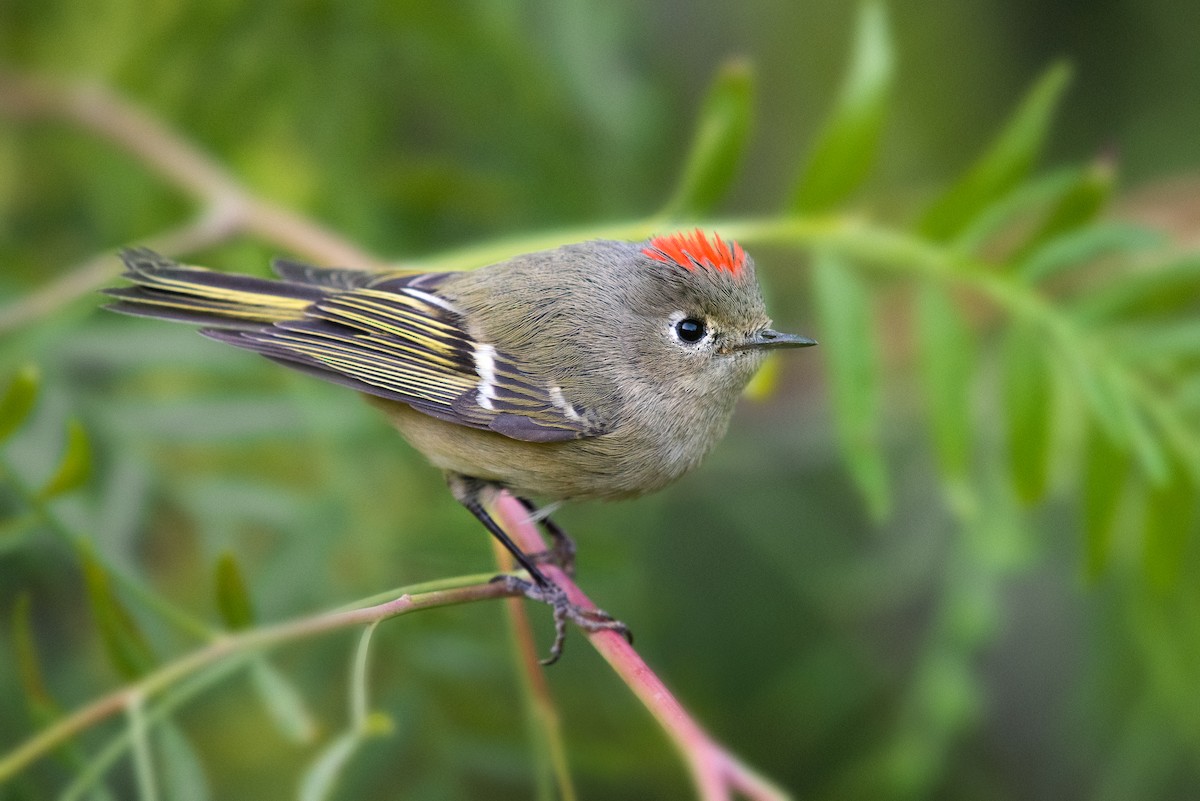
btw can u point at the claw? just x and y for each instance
(564, 611)
(469, 492)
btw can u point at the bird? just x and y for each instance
(598, 370)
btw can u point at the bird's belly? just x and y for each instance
(621, 464)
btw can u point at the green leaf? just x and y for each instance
(18, 400)
(284, 703)
(127, 646)
(946, 358)
(1024, 202)
(1148, 449)
(1082, 247)
(1170, 523)
(17, 532)
(320, 780)
(180, 769)
(1105, 470)
(1006, 162)
(1187, 395)
(1113, 408)
(721, 135)
(43, 709)
(849, 349)
(233, 600)
(41, 705)
(1083, 200)
(75, 467)
(1028, 403)
(846, 147)
(1173, 339)
(1151, 291)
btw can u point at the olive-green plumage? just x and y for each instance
(595, 370)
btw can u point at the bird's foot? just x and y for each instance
(588, 619)
(561, 554)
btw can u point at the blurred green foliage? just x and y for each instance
(954, 554)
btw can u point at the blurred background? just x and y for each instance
(906, 655)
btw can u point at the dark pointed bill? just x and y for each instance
(773, 339)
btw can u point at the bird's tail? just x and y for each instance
(168, 290)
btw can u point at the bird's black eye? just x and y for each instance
(690, 329)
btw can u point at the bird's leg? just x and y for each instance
(468, 492)
(544, 590)
(562, 553)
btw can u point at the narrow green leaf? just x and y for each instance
(1028, 403)
(1170, 523)
(43, 709)
(845, 149)
(1105, 471)
(1113, 408)
(233, 599)
(18, 400)
(284, 703)
(1187, 394)
(17, 532)
(1155, 290)
(1023, 203)
(41, 705)
(320, 780)
(181, 771)
(1160, 340)
(1084, 199)
(1006, 162)
(1148, 450)
(850, 353)
(1082, 247)
(721, 134)
(127, 646)
(946, 353)
(75, 467)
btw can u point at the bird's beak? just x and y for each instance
(768, 339)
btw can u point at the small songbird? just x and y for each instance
(598, 370)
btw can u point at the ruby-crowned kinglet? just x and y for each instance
(596, 370)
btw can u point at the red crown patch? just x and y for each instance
(697, 250)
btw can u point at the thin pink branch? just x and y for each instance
(716, 772)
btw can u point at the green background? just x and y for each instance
(844, 657)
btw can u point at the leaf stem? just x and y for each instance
(468, 589)
(359, 694)
(143, 759)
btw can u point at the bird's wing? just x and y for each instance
(398, 339)
(387, 334)
(331, 277)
